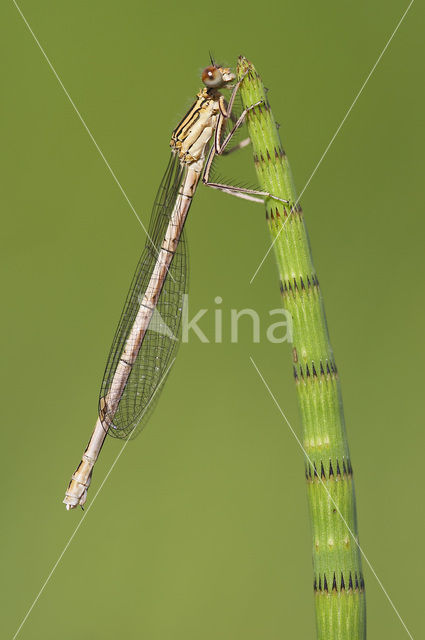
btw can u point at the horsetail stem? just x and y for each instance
(338, 579)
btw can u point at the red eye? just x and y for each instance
(212, 77)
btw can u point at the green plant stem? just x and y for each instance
(338, 579)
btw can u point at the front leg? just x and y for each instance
(223, 117)
(240, 192)
(218, 148)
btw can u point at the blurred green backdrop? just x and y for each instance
(202, 530)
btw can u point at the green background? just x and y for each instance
(201, 530)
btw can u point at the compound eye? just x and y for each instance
(212, 77)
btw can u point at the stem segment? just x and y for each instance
(338, 579)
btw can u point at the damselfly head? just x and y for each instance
(215, 77)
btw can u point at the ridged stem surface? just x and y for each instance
(338, 579)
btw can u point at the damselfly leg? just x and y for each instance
(219, 148)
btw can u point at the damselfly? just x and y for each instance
(139, 359)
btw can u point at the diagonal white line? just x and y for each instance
(331, 498)
(271, 245)
(83, 122)
(341, 124)
(47, 580)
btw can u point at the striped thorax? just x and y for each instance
(191, 137)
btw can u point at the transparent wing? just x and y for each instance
(162, 337)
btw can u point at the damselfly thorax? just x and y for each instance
(191, 137)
